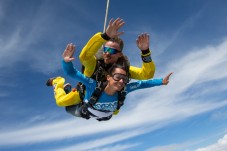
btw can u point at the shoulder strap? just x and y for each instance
(100, 72)
(97, 93)
(121, 98)
(97, 75)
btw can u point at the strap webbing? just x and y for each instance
(97, 93)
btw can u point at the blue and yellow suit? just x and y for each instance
(88, 59)
(107, 104)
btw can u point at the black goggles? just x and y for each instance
(118, 77)
(111, 51)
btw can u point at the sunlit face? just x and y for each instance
(118, 79)
(107, 56)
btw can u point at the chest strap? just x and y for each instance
(96, 93)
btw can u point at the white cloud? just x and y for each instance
(188, 145)
(171, 147)
(121, 147)
(50, 131)
(220, 145)
(105, 141)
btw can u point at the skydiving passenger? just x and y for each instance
(102, 99)
(97, 69)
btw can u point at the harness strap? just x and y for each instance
(80, 87)
(85, 113)
(98, 75)
(99, 72)
(104, 118)
(97, 93)
(121, 98)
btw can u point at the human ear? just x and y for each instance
(108, 77)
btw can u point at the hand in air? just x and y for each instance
(165, 81)
(69, 52)
(113, 27)
(143, 41)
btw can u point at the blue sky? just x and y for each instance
(187, 37)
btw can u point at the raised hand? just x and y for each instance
(165, 81)
(113, 27)
(69, 52)
(143, 41)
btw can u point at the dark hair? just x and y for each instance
(121, 63)
(119, 41)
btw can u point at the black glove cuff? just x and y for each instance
(105, 36)
(144, 52)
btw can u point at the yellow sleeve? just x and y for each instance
(87, 55)
(145, 72)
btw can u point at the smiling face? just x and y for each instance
(117, 79)
(107, 56)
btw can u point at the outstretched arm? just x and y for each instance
(142, 84)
